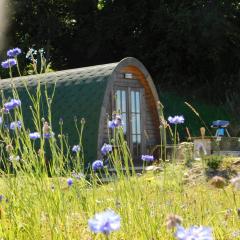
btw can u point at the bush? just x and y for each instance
(213, 161)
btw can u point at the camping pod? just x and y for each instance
(94, 93)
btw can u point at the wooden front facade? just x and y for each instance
(132, 93)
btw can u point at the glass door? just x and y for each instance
(135, 113)
(129, 104)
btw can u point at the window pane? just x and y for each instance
(137, 102)
(118, 100)
(123, 110)
(138, 130)
(133, 101)
(134, 124)
(139, 138)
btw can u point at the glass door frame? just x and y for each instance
(128, 123)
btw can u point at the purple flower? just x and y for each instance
(78, 176)
(15, 125)
(14, 52)
(12, 104)
(106, 148)
(116, 122)
(176, 119)
(104, 222)
(96, 165)
(9, 63)
(34, 135)
(147, 158)
(1, 120)
(48, 135)
(76, 148)
(69, 182)
(195, 233)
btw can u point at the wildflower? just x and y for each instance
(9, 63)
(48, 135)
(46, 128)
(14, 103)
(218, 182)
(69, 182)
(111, 124)
(30, 53)
(60, 121)
(147, 158)
(236, 182)
(83, 121)
(1, 197)
(173, 221)
(104, 222)
(96, 165)
(4, 110)
(34, 135)
(78, 175)
(1, 120)
(196, 233)
(14, 52)
(14, 158)
(176, 119)
(106, 148)
(76, 148)
(15, 125)
(116, 122)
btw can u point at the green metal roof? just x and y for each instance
(79, 93)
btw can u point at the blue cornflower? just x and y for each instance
(104, 222)
(14, 52)
(34, 135)
(9, 63)
(1, 120)
(48, 135)
(96, 165)
(147, 158)
(176, 119)
(116, 122)
(70, 182)
(106, 148)
(12, 104)
(15, 125)
(76, 148)
(194, 233)
(1, 197)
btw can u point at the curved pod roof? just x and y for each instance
(80, 93)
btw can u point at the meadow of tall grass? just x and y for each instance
(49, 199)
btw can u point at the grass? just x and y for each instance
(47, 208)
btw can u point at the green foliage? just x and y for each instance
(213, 161)
(191, 46)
